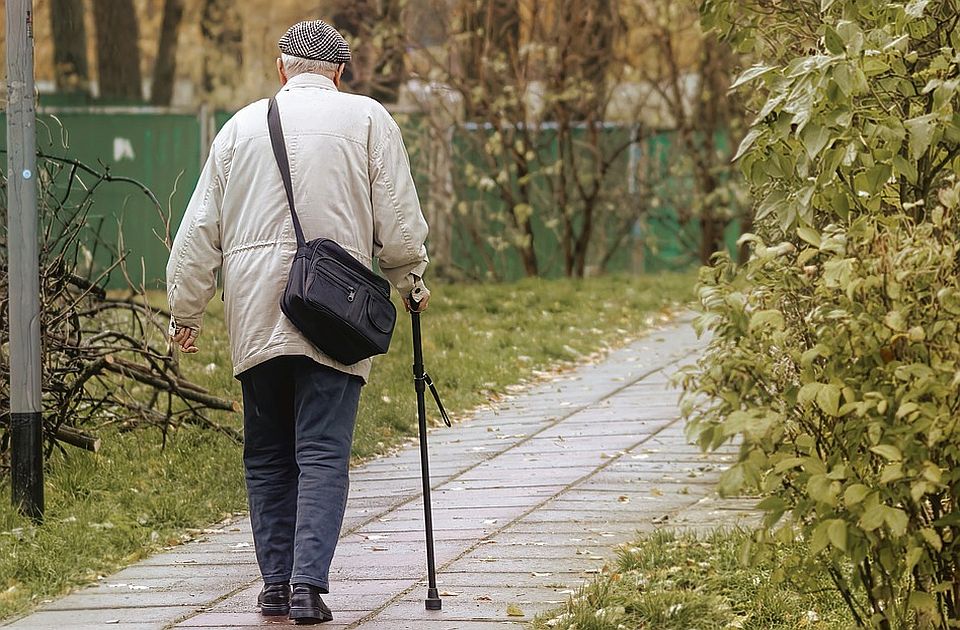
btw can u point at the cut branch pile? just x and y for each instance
(106, 358)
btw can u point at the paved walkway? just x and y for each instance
(529, 500)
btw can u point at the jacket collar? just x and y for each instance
(309, 80)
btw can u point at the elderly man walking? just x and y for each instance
(352, 184)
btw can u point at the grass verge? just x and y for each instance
(132, 498)
(667, 581)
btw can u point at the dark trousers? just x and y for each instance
(298, 421)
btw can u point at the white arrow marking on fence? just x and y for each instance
(123, 149)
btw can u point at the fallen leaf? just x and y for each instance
(514, 611)
(623, 498)
(449, 593)
(483, 598)
(378, 549)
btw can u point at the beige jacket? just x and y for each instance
(352, 183)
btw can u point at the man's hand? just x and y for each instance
(420, 295)
(185, 338)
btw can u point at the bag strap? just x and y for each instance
(280, 153)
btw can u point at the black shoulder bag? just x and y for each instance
(342, 307)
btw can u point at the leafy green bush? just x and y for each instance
(682, 581)
(835, 354)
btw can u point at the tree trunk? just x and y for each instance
(71, 69)
(118, 52)
(375, 29)
(389, 72)
(711, 237)
(222, 30)
(165, 70)
(527, 253)
(491, 30)
(351, 18)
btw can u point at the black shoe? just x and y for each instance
(274, 600)
(306, 606)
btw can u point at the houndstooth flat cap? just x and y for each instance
(315, 39)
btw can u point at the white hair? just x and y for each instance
(298, 65)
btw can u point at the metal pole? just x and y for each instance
(432, 601)
(24, 264)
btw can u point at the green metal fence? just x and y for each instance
(160, 148)
(164, 148)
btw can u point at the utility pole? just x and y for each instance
(23, 270)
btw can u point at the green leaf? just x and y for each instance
(808, 393)
(820, 538)
(921, 131)
(828, 399)
(837, 531)
(750, 74)
(897, 520)
(822, 489)
(814, 138)
(932, 537)
(787, 464)
(902, 166)
(810, 235)
(833, 41)
(841, 74)
(915, 8)
(855, 494)
(889, 451)
(924, 602)
(894, 321)
(731, 481)
(772, 504)
(906, 409)
(825, 5)
(913, 557)
(769, 318)
(872, 518)
(876, 177)
(891, 472)
(748, 141)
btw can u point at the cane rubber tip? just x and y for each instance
(433, 599)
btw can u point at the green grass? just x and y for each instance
(107, 510)
(681, 582)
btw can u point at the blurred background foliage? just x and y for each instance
(548, 138)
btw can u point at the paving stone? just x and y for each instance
(160, 571)
(202, 557)
(456, 611)
(84, 600)
(437, 624)
(494, 579)
(254, 619)
(527, 503)
(145, 616)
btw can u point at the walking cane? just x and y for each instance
(421, 381)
